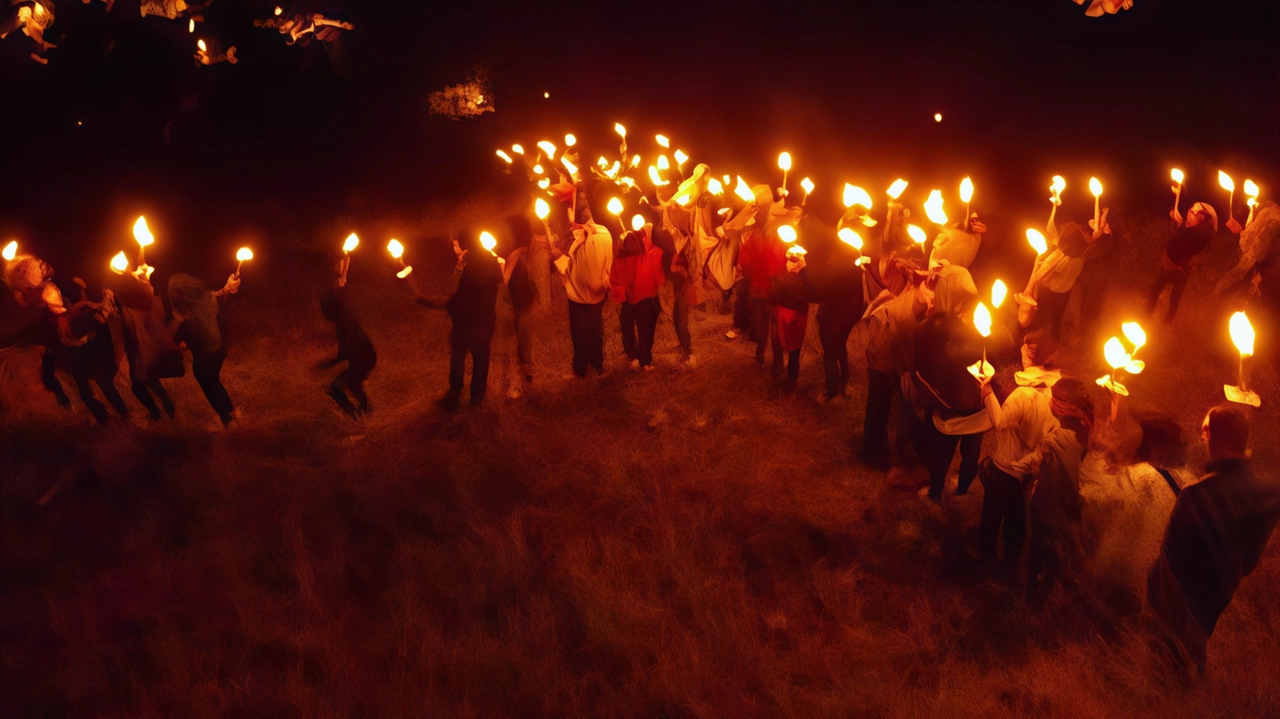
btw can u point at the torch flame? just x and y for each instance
(655, 178)
(784, 161)
(998, 292)
(10, 251)
(663, 163)
(742, 191)
(1114, 353)
(1095, 187)
(933, 208)
(727, 181)
(506, 158)
(937, 117)
(1177, 175)
(351, 243)
(488, 241)
(200, 44)
(191, 25)
(279, 10)
(618, 128)
(572, 168)
(119, 263)
(1250, 188)
(405, 272)
(537, 169)
(1036, 238)
(1135, 334)
(570, 140)
(682, 200)
(1242, 334)
(614, 206)
(849, 237)
(142, 233)
(541, 208)
(681, 158)
(895, 190)
(796, 251)
(714, 187)
(854, 195)
(916, 234)
(787, 234)
(637, 223)
(807, 184)
(518, 149)
(966, 190)
(1226, 182)
(395, 248)
(635, 161)
(544, 183)
(1059, 184)
(244, 254)
(548, 148)
(982, 319)
(663, 141)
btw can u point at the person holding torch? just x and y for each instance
(1189, 238)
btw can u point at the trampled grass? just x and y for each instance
(558, 555)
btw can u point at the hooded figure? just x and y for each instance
(1188, 240)
(195, 323)
(955, 246)
(586, 267)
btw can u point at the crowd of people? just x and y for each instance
(927, 349)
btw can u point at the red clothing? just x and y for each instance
(637, 273)
(791, 327)
(763, 256)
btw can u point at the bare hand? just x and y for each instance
(1175, 215)
(233, 285)
(979, 228)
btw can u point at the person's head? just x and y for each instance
(1202, 212)
(1073, 239)
(1226, 430)
(1070, 404)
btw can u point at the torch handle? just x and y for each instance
(1244, 379)
(238, 266)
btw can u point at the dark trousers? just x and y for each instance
(834, 334)
(1175, 277)
(741, 304)
(1053, 308)
(793, 369)
(472, 340)
(207, 369)
(586, 326)
(764, 328)
(680, 315)
(524, 340)
(943, 449)
(144, 392)
(352, 380)
(1044, 563)
(640, 318)
(1003, 506)
(881, 389)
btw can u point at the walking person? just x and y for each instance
(636, 278)
(1189, 239)
(195, 324)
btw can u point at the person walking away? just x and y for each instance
(195, 324)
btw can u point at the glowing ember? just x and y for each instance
(570, 140)
(119, 263)
(637, 223)
(541, 208)
(614, 206)
(244, 254)
(715, 187)
(10, 251)
(854, 195)
(518, 149)
(743, 191)
(849, 237)
(1177, 175)
(784, 161)
(548, 148)
(916, 234)
(1135, 334)
(351, 243)
(1036, 238)
(663, 141)
(1242, 334)
(998, 292)
(488, 241)
(395, 248)
(142, 233)
(787, 234)
(982, 320)
(933, 208)
(895, 190)
(1226, 182)
(966, 190)
(505, 157)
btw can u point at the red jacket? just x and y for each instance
(637, 272)
(763, 256)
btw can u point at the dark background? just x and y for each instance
(1028, 89)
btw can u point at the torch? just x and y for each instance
(681, 158)
(348, 246)
(1121, 360)
(548, 148)
(784, 163)
(397, 252)
(489, 242)
(622, 132)
(570, 140)
(808, 186)
(1095, 188)
(1059, 184)
(787, 234)
(1176, 175)
(1229, 185)
(1251, 189)
(917, 235)
(662, 141)
(982, 322)
(894, 192)
(1242, 336)
(743, 191)
(933, 209)
(966, 194)
(143, 235)
(120, 263)
(10, 251)
(244, 254)
(543, 210)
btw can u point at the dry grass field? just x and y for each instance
(670, 544)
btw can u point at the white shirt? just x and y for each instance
(1019, 425)
(590, 260)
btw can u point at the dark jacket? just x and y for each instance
(338, 306)
(473, 304)
(945, 346)
(1187, 242)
